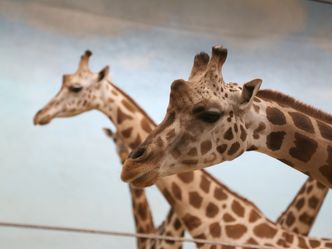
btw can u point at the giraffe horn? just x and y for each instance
(84, 62)
(201, 61)
(218, 58)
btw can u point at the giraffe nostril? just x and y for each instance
(137, 153)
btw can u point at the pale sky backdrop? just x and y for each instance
(67, 173)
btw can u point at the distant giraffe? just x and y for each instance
(171, 226)
(302, 211)
(207, 208)
(220, 121)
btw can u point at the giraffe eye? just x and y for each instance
(209, 116)
(75, 88)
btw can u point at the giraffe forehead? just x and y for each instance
(82, 78)
(221, 92)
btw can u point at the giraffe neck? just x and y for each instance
(213, 211)
(130, 120)
(142, 215)
(172, 226)
(197, 196)
(140, 206)
(301, 213)
(293, 133)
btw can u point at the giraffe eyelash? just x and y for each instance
(209, 116)
(75, 88)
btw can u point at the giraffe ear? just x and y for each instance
(108, 132)
(103, 73)
(249, 91)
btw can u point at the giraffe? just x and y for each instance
(140, 206)
(207, 208)
(298, 217)
(302, 211)
(171, 226)
(208, 122)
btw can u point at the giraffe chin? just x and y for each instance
(43, 121)
(145, 180)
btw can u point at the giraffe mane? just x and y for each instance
(134, 103)
(284, 99)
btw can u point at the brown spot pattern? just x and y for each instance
(302, 243)
(304, 148)
(192, 152)
(243, 134)
(275, 116)
(252, 147)
(234, 148)
(261, 127)
(129, 106)
(168, 197)
(326, 170)
(299, 204)
(325, 130)
(228, 218)
(219, 194)
(256, 108)
(302, 121)
(142, 211)
(121, 116)
(274, 140)
(186, 177)
(254, 216)
(215, 229)
(290, 219)
(211, 210)
(195, 199)
(264, 230)
(238, 208)
(306, 219)
(176, 191)
(235, 231)
(221, 148)
(229, 134)
(314, 243)
(205, 184)
(191, 221)
(127, 132)
(205, 147)
(146, 125)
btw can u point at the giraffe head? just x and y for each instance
(205, 123)
(79, 92)
(121, 147)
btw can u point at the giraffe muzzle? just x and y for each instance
(139, 175)
(41, 119)
(145, 180)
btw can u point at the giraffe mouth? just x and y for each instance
(40, 119)
(139, 175)
(145, 180)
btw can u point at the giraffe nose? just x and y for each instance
(37, 117)
(138, 153)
